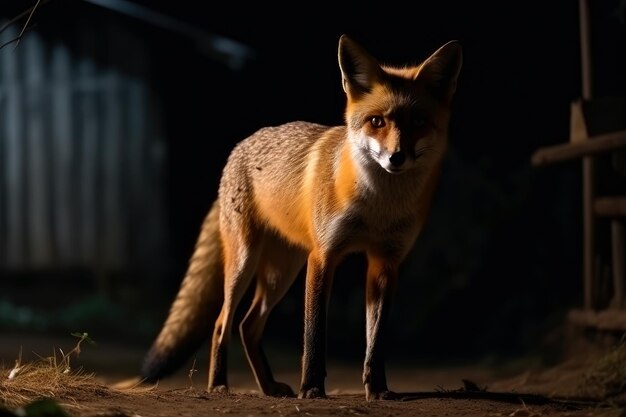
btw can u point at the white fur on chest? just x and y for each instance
(385, 213)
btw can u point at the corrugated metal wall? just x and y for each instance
(82, 152)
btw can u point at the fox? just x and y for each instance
(302, 196)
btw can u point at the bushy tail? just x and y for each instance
(198, 303)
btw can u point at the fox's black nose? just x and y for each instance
(397, 159)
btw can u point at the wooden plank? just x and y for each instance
(585, 49)
(588, 231)
(577, 123)
(610, 320)
(567, 151)
(3, 189)
(588, 163)
(617, 255)
(129, 200)
(38, 208)
(154, 208)
(65, 237)
(13, 164)
(137, 193)
(85, 183)
(610, 206)
(111, 151)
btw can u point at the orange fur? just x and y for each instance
(346, 179)
(302, 192)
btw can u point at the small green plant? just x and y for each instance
(82, 337)
(192, 371)
(47, 377)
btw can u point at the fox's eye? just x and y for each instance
(377, 121)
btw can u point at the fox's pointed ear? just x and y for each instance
(441, 70)
(359, 70)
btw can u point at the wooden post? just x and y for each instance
(588, 170)
(617, 245)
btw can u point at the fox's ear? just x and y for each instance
(359, 70)
(441, 70)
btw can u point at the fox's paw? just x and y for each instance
(219, 389)
(279, 389)
(380, 395)
(312, 393)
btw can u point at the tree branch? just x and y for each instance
(30, 11)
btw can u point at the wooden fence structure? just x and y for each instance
(82, 152)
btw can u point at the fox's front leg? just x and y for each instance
(381, 279)
(319, 277)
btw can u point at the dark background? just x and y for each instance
(499, 262)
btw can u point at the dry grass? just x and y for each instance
(47, 378)
(606, 378)
(51, 377)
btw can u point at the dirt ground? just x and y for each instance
(518, 389)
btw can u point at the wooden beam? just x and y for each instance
(610, 206)
(588, 168)
(567, 151)
(585, 49)
(617, 256)
(609, 320)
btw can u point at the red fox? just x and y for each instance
(302, 193)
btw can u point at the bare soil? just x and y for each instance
(518, 389)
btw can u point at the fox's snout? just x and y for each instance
(395, 157)
(397, 162)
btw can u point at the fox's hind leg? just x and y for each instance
(241, 257)
(278, 267)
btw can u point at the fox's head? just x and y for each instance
(395, 116)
